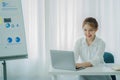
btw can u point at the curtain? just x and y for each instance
(64, 19)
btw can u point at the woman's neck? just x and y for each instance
(89, 41)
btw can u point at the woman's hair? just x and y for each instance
(91, 21)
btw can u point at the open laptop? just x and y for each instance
(63, 60)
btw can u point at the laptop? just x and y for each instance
(63, 60)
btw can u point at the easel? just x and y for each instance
(4, 70)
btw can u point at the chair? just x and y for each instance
(109, 58)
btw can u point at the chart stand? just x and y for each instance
(4, 70)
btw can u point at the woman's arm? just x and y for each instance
(84, 64)
(98, 58)
(77, 50)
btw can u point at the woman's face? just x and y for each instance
(89, 31)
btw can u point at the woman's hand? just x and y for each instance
(84, 64)
(78, 65)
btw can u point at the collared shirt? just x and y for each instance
(92, 53)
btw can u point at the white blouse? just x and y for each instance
(92, 53)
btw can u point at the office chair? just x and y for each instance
(109, 58)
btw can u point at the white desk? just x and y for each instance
(97, 70)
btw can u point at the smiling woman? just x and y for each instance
(90, 26)
(90, 49)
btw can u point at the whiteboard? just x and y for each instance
(12, 30)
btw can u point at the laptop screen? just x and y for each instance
(62, 59)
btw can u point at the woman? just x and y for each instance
(90, 48)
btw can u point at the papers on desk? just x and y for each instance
(116, 68)
(113, 66)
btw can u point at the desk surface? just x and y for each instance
(105, 69)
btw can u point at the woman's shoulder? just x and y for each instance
(79, 40)
(100, 40)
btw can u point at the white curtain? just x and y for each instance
(63, 20)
